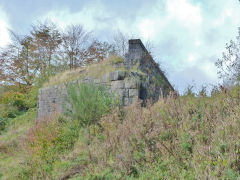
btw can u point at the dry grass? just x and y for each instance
(177, 138)
(186, 137)
(95, 70)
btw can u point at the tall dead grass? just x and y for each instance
(185, 137)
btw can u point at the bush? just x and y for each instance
(88, 103)
(15, 99)
(8, 111)
(14, 103)
(46, 141)
(32, 94)
(3, 123)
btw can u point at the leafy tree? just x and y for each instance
(45, 50)
(80, 49)
(30, 56)
(16, 65)
(46, 40)
(98, 51)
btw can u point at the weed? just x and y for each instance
(88, 102)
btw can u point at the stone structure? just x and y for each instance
(142, 79)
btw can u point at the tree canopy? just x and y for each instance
(46, 50)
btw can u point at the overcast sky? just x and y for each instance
(188, 35)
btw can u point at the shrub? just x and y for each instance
(88, 102)
(32, 94)
(15, 99)
(45, 142)
(12, 104)
(3, 123)
(8, 111)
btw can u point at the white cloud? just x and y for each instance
(186, 35)
(190, 35)
(192, 58)
(185, 12)
(197, 42)
(94, 17)
(4, 34)
(148, 28)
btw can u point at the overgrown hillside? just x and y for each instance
(73, 106)
(180, 137)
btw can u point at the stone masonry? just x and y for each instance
(143, 80)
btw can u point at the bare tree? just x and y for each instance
(149, 46)
(120, 42)
(75, 41)
(229, 64)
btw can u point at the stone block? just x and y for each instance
(117, 75)
(120, 93)
(88, 80)
(117, 84)
(96, 81)
(126, 101)
(105, 78)
(133, 93)
(131, 84)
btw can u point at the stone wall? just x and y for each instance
(155, 83)
(142, 79)
(122, 84)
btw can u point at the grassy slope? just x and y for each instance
(188, 137)
(95, 70)
(184, 138)
(12, 154)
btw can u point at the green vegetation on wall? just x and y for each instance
(88, 102)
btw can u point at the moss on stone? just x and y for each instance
(160, 80)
